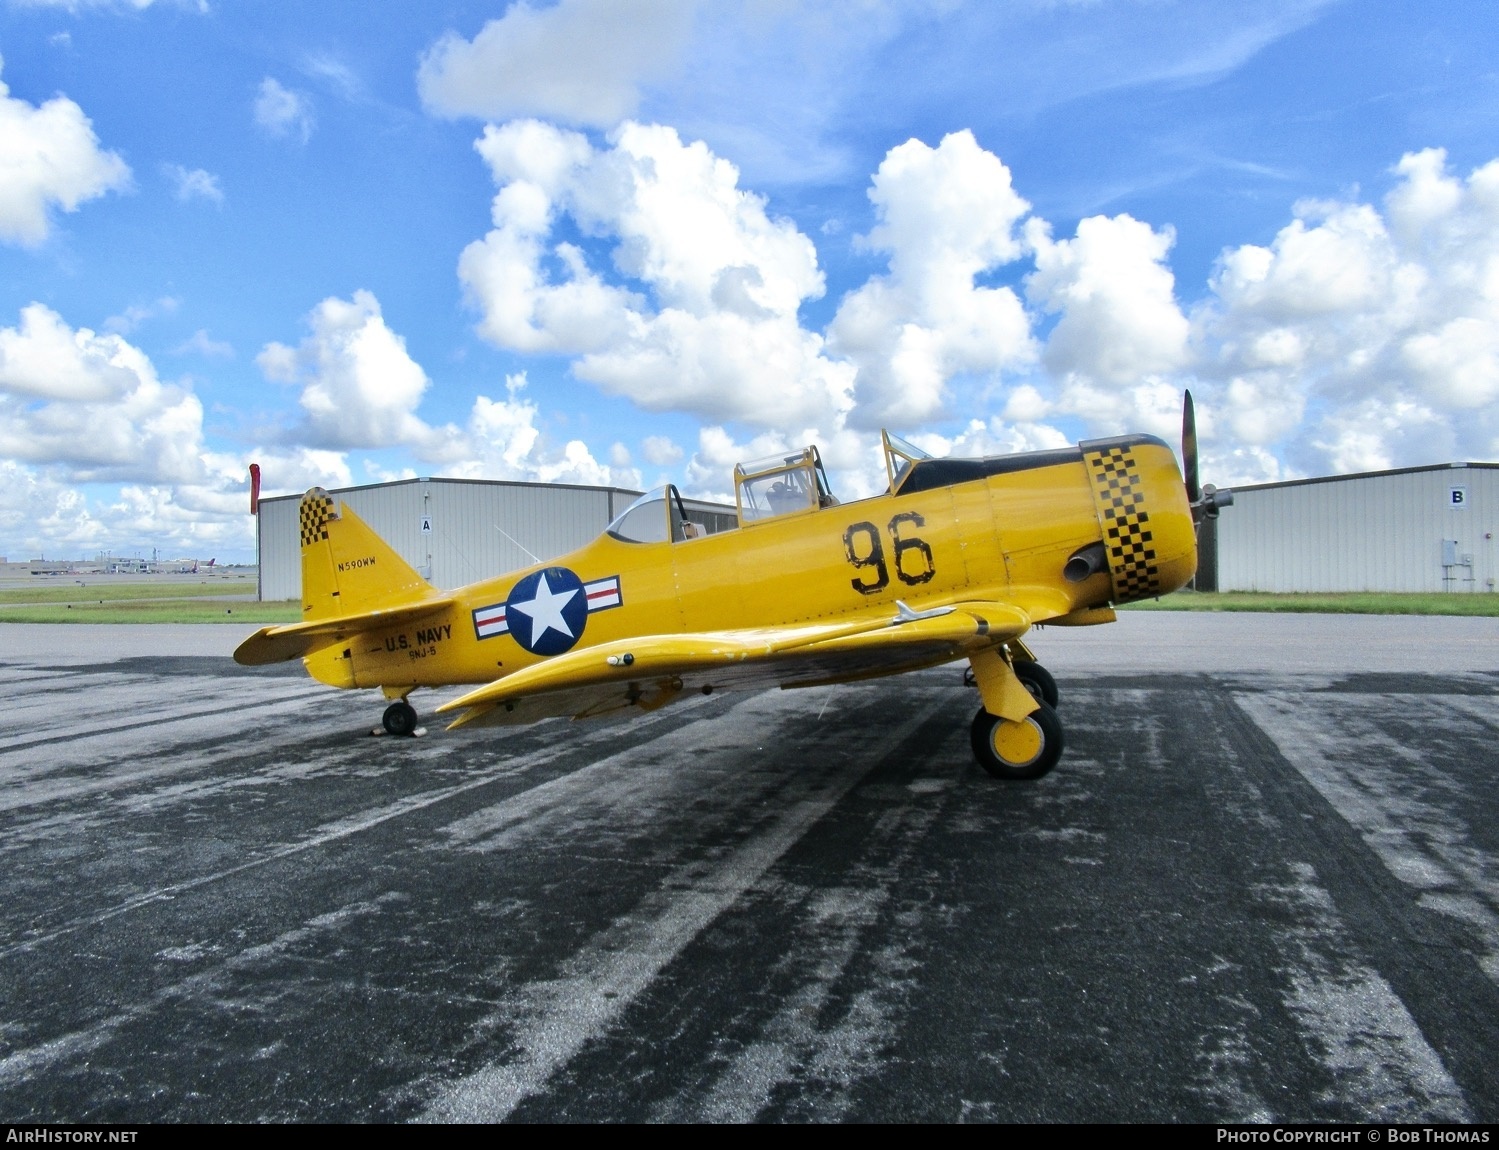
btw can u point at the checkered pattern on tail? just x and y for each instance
(316, 510)
(1127, 534)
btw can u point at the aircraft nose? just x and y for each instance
(1148, 531)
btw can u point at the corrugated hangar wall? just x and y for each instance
(1413, 529)
(478, 528)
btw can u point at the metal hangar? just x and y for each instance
(1410, 529)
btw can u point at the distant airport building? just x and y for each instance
(1411, 529)
(458, 531)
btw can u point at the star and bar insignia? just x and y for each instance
(547, 610)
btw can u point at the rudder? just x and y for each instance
(346, 567)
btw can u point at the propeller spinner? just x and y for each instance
(1206, 500)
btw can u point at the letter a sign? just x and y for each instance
(426, 525)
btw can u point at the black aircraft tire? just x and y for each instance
(400, 718)
(1027, 750)
(1038, 681)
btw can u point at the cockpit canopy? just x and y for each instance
(790, 483)
(784, 484)
(655, 517)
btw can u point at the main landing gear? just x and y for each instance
(1017, 750)
(1027, 743)
(400, 719)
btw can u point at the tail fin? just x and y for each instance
(346, 567)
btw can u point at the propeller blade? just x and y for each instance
(1189, 453)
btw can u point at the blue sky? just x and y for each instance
(627, 243)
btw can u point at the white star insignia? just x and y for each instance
(545, 610)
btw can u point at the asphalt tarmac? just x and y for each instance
(1263, 884)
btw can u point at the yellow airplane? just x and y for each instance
(958, 559)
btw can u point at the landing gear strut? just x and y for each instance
(400, 718)
(1038, 681)
(1036, 678)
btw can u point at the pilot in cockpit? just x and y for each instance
(782, 498)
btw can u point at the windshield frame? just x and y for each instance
(901, 457)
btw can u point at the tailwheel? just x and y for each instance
(400, 718)
(1023, 750)
(1037, 680)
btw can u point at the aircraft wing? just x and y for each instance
(295, 640)
(652, 670)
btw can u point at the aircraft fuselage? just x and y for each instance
(956, 530)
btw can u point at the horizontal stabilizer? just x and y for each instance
(638, 670)
(297, 640)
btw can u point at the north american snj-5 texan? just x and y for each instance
(957, 559)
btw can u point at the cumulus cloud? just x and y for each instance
(946, 215)
(49, 159)
(687, 296)
(42, 514)
(699, 310)
(660, 450)
(1116, 296)
(1380, 327)
(92, 405)
(360, 387)
(502, 441)
(38, 512)
(686, 292)
(709, 472)
(83, 407)
(993, 436)
(282, 112)
(194, 184)
(579, 61)
(1364, 336)
(286, 469)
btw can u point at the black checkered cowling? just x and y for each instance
(1127, 535)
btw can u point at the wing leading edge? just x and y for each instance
(650, 671)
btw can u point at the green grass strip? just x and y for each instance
(1329, 603)
(159, 611)
(110, 592)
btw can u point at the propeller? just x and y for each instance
(1189, 452)
(1206, 500)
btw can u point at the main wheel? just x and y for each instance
(400, 718)
(1023, 750)
(1038, 681)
